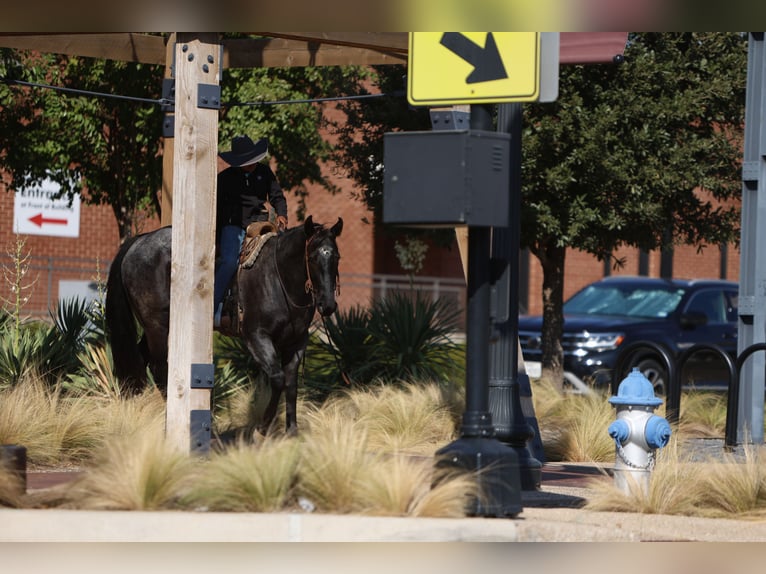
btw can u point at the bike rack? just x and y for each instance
(628, 351)
(730, 439)
(675, 370)
(734, 397)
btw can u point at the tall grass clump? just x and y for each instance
(247, 478)
(703, 414)
(671, 488)
(732, 488)
(573, 427)
(406, 486)
(415, 419)
(54, 428)
(135, 472)
(335, 462)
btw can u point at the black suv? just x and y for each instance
(605, 317)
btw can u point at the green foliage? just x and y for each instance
(293, 129)
(110, 146)
(114, 147)
(405, 337)
(645, 154)
(52, 351)
(617, 158)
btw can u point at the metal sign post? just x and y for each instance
(752, 274)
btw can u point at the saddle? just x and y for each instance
(256, 236)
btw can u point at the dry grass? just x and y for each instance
(58, 429)
(368, 452)
(51, 427)
(416, 419)
(703, 414)
(134, 472)
(244, 478)
(714, 489)
(573, 427)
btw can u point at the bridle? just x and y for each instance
(309, 284)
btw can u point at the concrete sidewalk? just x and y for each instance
(552, 514)
(549, 515)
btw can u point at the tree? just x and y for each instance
(112, 148)
(644, 154)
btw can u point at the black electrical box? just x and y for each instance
(447, 178)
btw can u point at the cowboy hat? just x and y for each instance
(245, 152)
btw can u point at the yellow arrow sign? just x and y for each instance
(446, 68)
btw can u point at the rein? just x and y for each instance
(308, 286)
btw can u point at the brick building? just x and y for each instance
(368, 264)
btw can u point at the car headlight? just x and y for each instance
(597, 342)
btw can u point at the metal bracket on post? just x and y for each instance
(209, 96)
(168, 95)
(202, 375)
(200, 424)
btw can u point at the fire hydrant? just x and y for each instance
(637, 432)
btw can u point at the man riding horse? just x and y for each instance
(243, 190)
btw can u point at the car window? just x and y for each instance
(711, 303)
(626, 301)
(732, 306)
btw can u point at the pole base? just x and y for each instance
(497, 469)
(14, 458)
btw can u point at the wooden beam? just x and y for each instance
(285, 49)
(381, 41)
(129, 46)
(190, 338)
(279, 52)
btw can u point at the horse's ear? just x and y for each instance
(308, 226)
(337, 228)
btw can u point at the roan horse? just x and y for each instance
(295, 274)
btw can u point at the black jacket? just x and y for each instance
(242, 196)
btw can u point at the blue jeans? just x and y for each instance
(231, 242)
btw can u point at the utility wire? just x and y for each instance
(170, 102)
(78, 92)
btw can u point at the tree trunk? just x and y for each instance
(552, 259)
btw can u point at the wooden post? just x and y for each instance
(190, 340)
(166, 200)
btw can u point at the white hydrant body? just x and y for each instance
(637, 432)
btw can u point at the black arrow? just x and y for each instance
(487, 63)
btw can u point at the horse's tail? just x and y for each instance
(129, 364)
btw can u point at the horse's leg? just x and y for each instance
(262, 349)
(291, 392)
(156, 339)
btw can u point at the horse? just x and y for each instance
(294, 275)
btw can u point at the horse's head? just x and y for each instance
(322, 259)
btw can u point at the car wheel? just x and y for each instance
(655, 371)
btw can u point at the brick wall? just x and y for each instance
(582, 268)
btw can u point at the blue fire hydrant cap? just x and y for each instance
(635, 389)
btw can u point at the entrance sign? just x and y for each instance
(38, 211)
(447, 68)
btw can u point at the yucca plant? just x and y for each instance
(96, 374)
(412, 333)
(404, 337)
(20, 354)
(345, 355)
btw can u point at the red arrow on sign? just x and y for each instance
(39, 220)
